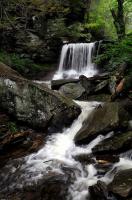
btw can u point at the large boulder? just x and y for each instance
(122, 183)
(52, 186)
(102, 120)
(115, 144)
(34, 104)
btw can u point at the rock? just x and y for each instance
(94, 84)
(116, 144)
(127, 105)
(107, 158)
(105, 163)
(53, 186)
(72, 90)
(122, 183)
(112, 84)
(87, 84)
(100, 192)
(33, 104)
(103, 119)
(30, 44)
(85, 158)
(98, 97)
(101, 86)
(56, 84)
(130, 125)
(122, 69)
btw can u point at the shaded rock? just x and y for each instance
(101, 86)
(94, 84)
(107, 158)
(100, 192)
(130, 125)
(112, 84)
(103, 119)
(85, 158)
(33, 104)
(115, 144)
(105, 163)
(98, 97)
(56, 84)
(53, 186)
(72, 90)
(127, 105)
(122, 183)
(87, 84)
(29, 43)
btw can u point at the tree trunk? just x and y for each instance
(119, 21)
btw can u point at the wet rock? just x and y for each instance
(115, 144)
(103, 119)
(33, 104)
(56, 84)
(72, 90)
(107, 158)
(104, 163)
(100, 192)
(122, 183)
(53, 186)
(85, 158)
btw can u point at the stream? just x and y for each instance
(59, 151)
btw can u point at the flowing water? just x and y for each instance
(76, 60)
(60, 148)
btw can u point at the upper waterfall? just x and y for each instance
(76, 60)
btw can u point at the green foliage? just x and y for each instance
(116, 54)
(100, 14)
(12, 127)
(22, 65)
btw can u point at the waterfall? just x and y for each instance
(76, 60)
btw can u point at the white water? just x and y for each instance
(76, 60)
(59, 151)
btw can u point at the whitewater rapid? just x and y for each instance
(59, 150)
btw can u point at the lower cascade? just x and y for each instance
(58, 157)
(76, 60)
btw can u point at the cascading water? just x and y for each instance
(60, 149)
(76, 60)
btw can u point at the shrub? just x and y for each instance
(116, 54)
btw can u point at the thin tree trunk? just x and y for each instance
(119, 21)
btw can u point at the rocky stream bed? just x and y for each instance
(72, 143)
